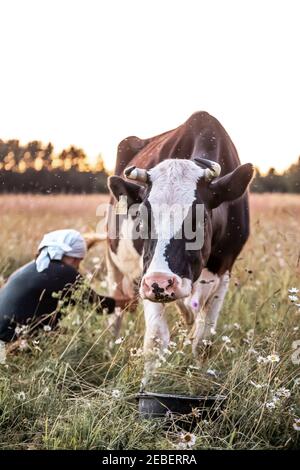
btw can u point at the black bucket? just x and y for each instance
(158, 405)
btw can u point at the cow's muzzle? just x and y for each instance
(164, 287)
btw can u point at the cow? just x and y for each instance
(194, 165)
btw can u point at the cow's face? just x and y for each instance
(175, 219)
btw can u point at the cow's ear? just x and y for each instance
(119, 187)
(231, 186)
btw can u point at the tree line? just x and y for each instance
(36, 168)
(272, 182)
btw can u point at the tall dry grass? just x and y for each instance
(75, 388)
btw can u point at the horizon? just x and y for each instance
(92, 161)
(90, 74)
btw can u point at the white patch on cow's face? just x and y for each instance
(174, 183)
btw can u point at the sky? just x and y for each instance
(92, 72)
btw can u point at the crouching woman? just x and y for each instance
(34, 294)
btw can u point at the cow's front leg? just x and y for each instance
(156, 338)
(206, 319)
(214, 306)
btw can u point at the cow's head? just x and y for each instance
(176, 198)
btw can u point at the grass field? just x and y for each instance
(74, 389)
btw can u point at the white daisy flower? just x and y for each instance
(273, 358)
(47, 328)
(188, 439)
(252, 351)
(116, 393)
(293, 290)
(297, 381)
(136, 352)
(21, 396)
(261, 360)
(167, 351)
(258, 386)
(226, 339)
(23, 345)
(119, 340)
(296, 424)
(293, 298)
(212, 372)
(283, 392)
(271, 405)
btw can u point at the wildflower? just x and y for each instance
(250, 334)
(226, 339)
(230, 350)
(273, 358)
(162, 358)
(172, 344)
(47, 328)
(196, 412)
(213, 331)
(293, 290)
(116, 393)
(296, 328)
(187, 439)
(261, 360)
(296, 424)
(271, 405)
(21, 396)
(136, 352)
(293, 298)
(236, 326)
(156, 339)
(211, 372)
(21, 330)
(119, 340)
(187, 342)
(207, 342)
(252, 351)
(297, 381)
(23, 345)
(77, 321)
(167, 351)
(258, 386)
(283, 392)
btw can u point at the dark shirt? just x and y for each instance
(28, 296)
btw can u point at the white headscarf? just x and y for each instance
(57, 244)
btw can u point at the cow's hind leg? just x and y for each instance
(157, 336)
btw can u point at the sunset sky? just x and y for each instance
(91, 72)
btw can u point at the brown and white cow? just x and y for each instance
(194, 165)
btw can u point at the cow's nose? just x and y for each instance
(160, 287)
